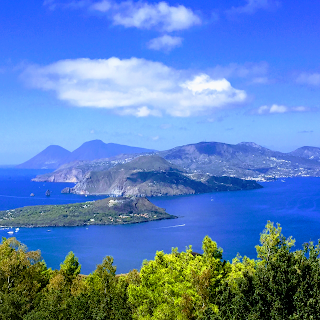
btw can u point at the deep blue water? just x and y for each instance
(233, 219)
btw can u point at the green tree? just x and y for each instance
(23, 275)
(179, 285)
(107, 293)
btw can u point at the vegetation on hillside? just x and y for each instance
(106, 211)
(279, 284)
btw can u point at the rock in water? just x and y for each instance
(66, 190)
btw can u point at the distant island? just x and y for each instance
(109, 211)
(55, 156)
(245, 160)
(152, 175)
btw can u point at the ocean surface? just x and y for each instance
(233, 219)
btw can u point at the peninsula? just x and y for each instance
(109, 211)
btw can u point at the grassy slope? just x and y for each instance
(106, 211)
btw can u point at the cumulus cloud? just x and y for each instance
(138, 14)
(312, 79)
(275, 108)
(161, 16)
(165, 43)
(133, 87)
(252, 6)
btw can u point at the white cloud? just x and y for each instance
(312, 79)
(203, 83)
(138, 14)
(275, 108)
(165, 43)
(252, 6)
(133, 86)
(161, 16)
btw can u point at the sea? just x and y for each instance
(233, 219)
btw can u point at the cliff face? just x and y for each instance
(77, 170)
(154, 176)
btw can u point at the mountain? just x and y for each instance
(54, 156)
(311, 153)
(50, 158)
(97, 149)
(154, 176)
(244, 160)
(106, 211)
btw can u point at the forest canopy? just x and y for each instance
(280, 284)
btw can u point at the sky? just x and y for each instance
(158, 74)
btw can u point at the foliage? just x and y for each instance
(177, 285)
(280, 284)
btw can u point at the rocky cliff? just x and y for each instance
(154, 176)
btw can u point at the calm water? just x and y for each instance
(233, 219)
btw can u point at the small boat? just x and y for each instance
(48, 193)
(10, 232)
(31, 194)
(17, 229)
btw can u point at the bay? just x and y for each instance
(233, 219)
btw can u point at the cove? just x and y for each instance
(233, 219)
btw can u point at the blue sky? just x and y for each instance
(158, 74)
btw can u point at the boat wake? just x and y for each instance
(176, 226)
(6, 196)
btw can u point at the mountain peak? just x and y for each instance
(250, 144)
(54, 156)
(50, 158)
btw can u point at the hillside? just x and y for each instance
(50, 158)
(245, 160)
(106, 211)
(154, 176)
(75, 171)
(311, 153)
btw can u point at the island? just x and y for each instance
(109, 211)
(149, 176)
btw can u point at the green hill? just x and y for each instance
(107, 211)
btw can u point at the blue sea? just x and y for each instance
(233, 219)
